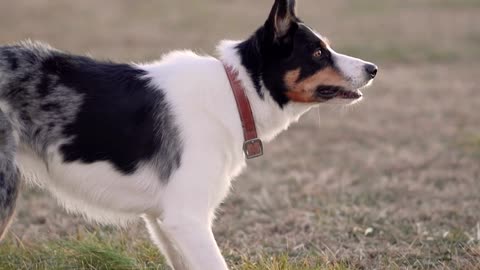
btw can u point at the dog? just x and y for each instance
(161, 141)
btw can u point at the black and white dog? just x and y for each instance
(161, 141)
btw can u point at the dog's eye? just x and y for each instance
(317, 53)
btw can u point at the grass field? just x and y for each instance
(390, 183)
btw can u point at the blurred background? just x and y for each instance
(390, 182)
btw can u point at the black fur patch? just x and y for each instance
(269, 60)
(45, 85)
(50, 107)
(118, 119)
(252, 61)
(11, 59)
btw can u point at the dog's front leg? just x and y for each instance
(191, 198)
(160, 238)
(196, 244)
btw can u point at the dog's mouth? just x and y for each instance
(346, 94)
(338, 92)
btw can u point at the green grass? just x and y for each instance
(102, 252)
(471, 145)
(93, 252)
(97, 252)
(476, 142)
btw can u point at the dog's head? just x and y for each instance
(298, 65)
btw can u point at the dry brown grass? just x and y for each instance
(403, 164)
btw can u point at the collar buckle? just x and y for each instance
(253, 148)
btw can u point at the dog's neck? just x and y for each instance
(270, 118)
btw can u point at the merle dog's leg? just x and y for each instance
(9, 176)
(190, 199)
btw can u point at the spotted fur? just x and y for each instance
(9, 182)
(88, 107)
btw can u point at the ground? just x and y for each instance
(392, 182)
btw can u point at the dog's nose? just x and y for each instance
(371, 70)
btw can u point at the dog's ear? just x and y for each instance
(282, 18)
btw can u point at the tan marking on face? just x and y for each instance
(291, 78)
(304, 90)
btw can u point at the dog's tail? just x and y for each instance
(9, 175)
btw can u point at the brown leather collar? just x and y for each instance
(252, 146)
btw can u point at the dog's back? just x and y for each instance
(53, 97)
(68, 112)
